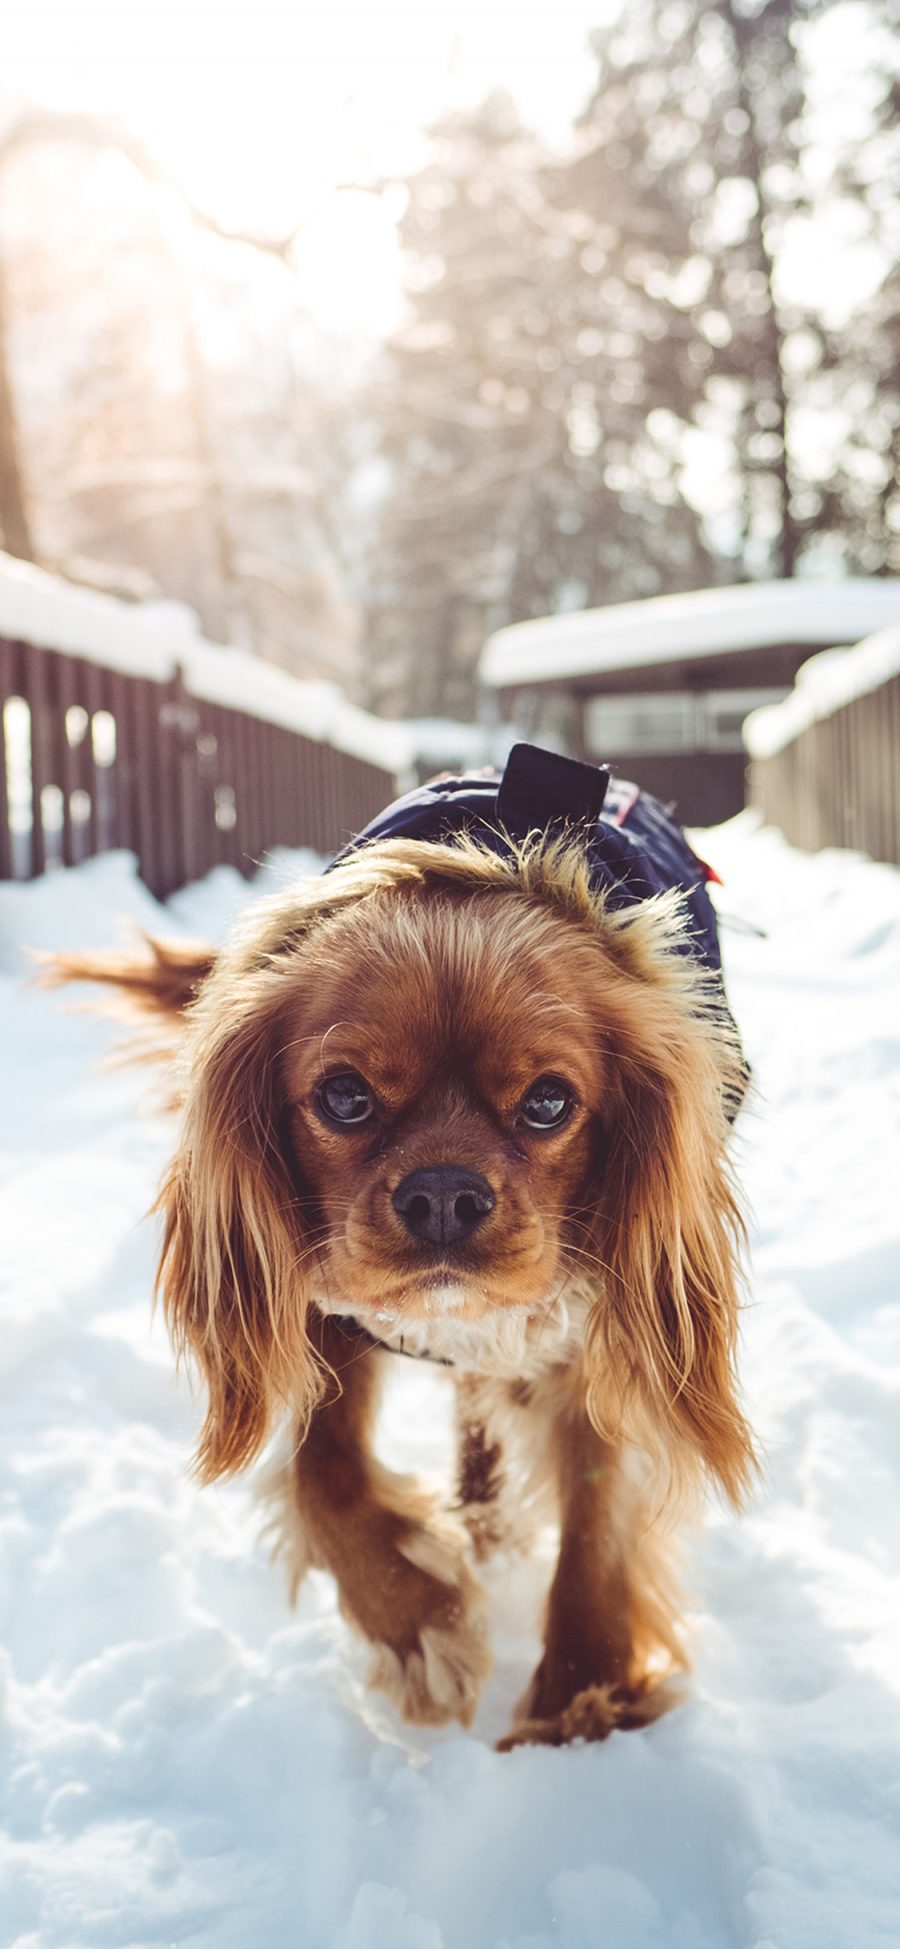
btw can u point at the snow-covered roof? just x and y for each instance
(154, 639)
(822, 686)
(705, 622)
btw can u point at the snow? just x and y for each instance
(317, 709)
(187, 1760)
(143, 640)
(822, 686)
(703, 622)
(157, 639)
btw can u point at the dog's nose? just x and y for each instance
(443, 1205)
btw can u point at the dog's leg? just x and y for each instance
(610, 1641)
(401, 1572)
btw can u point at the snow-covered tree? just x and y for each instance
(524, 470)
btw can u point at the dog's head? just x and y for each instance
(441, 1080)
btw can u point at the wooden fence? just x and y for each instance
(837, 782)
(93, 758)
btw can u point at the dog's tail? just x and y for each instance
(154, 988)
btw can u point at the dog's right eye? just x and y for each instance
(346, 1098)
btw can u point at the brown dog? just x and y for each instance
(452, 1103)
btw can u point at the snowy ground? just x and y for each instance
(188, 1762)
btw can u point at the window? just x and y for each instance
(650, 723)
(672, 721)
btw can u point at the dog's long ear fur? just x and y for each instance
(236, 1246)
(661, 1344)
(159, 984)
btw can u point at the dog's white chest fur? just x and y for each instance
(511, 1343)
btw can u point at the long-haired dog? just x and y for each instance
(452, 1101)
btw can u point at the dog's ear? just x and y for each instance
(233, 1270)
(661, 1342)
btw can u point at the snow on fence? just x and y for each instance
(121, 727)
(825, 764)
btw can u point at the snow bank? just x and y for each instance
(186, 1760)
(701, 622)
(822, 686)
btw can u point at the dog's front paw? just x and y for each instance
(439, 1679)
(430, 1654)
(593, 1714)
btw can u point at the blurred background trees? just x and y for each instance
(526, 406)
(657, 350)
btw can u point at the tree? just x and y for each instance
(526, 471)
(859, 512)
(709, 101)
(15, 526)
(169, 441)
(719, 103)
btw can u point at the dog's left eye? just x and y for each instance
(346, 1098)
(547, 1104)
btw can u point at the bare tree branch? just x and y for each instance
(41, 125)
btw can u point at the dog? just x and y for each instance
(467, 1097)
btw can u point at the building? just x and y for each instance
(660, 688)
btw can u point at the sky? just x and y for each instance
(259, 111)
(305, 85)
